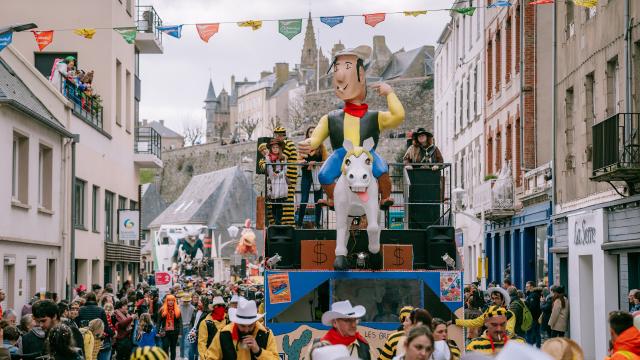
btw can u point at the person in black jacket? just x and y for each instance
(546, 305)
(533, 303)
(91, 311)
(45, 313)
(64, 313)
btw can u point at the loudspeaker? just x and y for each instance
(281, 241)
(417, 238)
(425, 188)
(440, 241)
(243, 268)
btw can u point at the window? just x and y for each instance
(468, 103)
(509, 142)
(489, 69)
(591, 12)
(613, 95)
(129, 100)
(95, 197)
(508, 63)
(489, 156)
(542, 254)
(569, 18)
(517, 17)
(590, 111)
(118, 92)
(499, 155)
(518, 154)
(44, 61)
(498, 59)
(475, 90)
(108, 215)
(568, 114)
(20, 169)
(636, 75)
(79, 203)
(133, 205)
(45, 178)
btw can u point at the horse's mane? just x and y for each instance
(357, 151)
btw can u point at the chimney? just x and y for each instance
(282, 73)
(336, 47)
(162, 122)
(380, 57)
(233, 82)
(144, 122)
(264, 74)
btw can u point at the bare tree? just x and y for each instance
(248, 126)
(273, 123)
(193, 133)
(220, 128)
(296, 113)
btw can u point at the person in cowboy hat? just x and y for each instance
(245, 338)
(290, 152)
(215, 321)
(422, 149)
(500, 298)
(496, 336)
(343, 320)
(354, 122)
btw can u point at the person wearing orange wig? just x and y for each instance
(170, 325)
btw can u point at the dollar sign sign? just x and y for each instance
(321, 257)
(397, 253)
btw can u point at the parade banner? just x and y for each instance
(279, 288)
(499, 3)
(128, 34)
(465, 11)
(290, 28)
(450, 286)
(541, 2)
(43, 38)
(206, 31)
(128, 225)
(331, 21)
(415, 13)
(586, 3)
(5, 39)
(174, 30)
(253, 24)
(373, 19)
(85, 33)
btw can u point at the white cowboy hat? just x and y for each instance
(235, 298)
(503, 292)
(343, 310)
(218, 300)
(331, 352)
(246, 313)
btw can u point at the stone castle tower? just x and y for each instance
(217, 114)
(310, 60)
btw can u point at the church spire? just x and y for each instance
(211, 93)
(310, 49)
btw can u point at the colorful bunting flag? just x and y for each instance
(290, 28)
(173, 30)
(373, 19)
(541, 2)
(499, 3)
(5, 39)
(253, 24)
(85, 33)
(43, 38)
(331, 21)
(206, 31)
(128, 34)
(415, 13)
(465, 10)
(586, 3)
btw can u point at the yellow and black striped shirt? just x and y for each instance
(483, 345)
(388, 351)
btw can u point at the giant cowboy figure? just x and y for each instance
(355, 123)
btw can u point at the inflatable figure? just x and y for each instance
(247, 243)
(187, 249)
(354, 123)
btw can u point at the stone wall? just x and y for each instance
(416, 95)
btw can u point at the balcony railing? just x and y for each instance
(537, 183)
(616, 148)
(86, 107)
(495, 198)
(148, 21)
(148, 141)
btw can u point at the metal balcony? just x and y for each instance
(495, 198)
(86, 107)
(149, 38)
(148, 148)
(537, 185)
(616, 149)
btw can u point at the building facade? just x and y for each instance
(111, 147)
(459, 125)
(596, 244)
(515, 195)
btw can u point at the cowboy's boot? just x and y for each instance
(329, 201)
(384, 187)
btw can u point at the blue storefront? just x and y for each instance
(522, 244)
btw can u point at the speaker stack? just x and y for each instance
(424, 198)
(281, 241)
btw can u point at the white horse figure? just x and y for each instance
(356, 194)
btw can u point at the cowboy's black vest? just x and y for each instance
(229, 351)
(369, 128)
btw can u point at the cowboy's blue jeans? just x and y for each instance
(331, 168)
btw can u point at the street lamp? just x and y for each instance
(17, 28)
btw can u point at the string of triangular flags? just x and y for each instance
(289, 28)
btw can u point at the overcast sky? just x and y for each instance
(174, 84)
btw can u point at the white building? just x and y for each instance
(111, 148)
(459, 123)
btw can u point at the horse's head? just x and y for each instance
(357, 167)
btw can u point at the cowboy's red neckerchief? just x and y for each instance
(335, 338)
(355, 109)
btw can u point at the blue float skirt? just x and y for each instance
(330, 170)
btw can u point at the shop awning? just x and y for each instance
(619, 245)
(559, 250)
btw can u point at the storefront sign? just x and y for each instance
(586, 231)
(583, 233)
(128, 225)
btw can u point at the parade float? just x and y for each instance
(357, 255)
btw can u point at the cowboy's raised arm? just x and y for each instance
(395, 116)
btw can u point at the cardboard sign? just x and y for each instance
(397, 257)
(317, 254)
(162, 278)
(279, 288)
